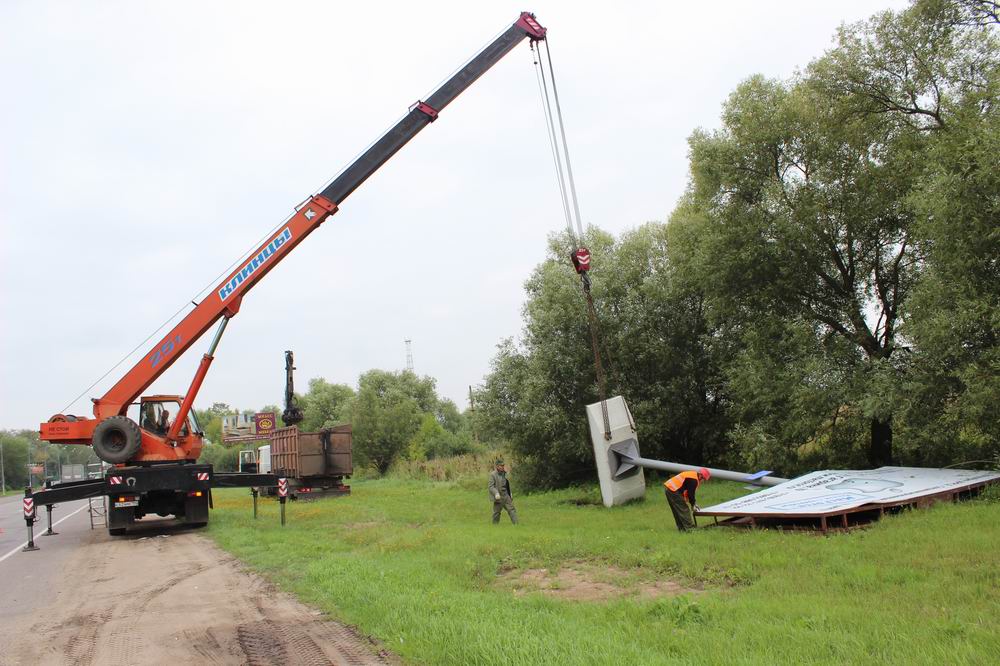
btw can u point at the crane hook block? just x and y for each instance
(581, 260)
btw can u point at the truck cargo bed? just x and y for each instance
(307, 455)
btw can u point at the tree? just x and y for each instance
(972, 12)
(951, 396)
(449, 417)
(535, 396)
(433, 440)
(386, 415)
(15, 458)
(657, 347)
(805, 206)
(802, 212)
(211, 420)
(222, 458)
(666, 355)
(325, 405)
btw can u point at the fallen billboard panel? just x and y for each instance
(828, 493)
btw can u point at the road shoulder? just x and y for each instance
(173, 596)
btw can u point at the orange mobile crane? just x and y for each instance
(155, 459)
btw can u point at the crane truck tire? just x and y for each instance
(116, 439)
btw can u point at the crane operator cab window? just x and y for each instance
(157, 416)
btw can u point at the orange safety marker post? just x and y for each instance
(282, 497)
(28, 505)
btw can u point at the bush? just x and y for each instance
(455, 468)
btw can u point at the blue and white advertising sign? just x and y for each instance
(831, 491)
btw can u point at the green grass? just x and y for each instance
(416, 563)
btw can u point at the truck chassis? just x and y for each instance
(183, 490)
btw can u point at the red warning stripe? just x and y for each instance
(283, 487)
(203, 476)
(115, 480)
(29, 507)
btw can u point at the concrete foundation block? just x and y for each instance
(627, 486)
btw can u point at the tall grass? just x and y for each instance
(470, 465)
(418, 565)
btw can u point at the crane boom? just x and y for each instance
(225, 300)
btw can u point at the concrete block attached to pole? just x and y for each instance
(616, 489)
(620, 464)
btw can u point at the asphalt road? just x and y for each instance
(30, 579)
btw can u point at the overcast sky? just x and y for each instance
(147, 145)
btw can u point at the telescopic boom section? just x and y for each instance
(225, 300)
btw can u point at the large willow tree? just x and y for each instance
(811, 203)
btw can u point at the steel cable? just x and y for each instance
(550, 130)
(565, 145)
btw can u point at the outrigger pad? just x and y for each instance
(618, 485)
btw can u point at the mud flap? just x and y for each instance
(120, 518)
(196, 510)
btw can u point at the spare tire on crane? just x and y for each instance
(116, 439)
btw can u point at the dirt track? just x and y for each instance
(173, 597)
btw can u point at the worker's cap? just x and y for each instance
(499, 461)
(705, 474)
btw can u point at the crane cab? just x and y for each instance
(138, 436)
(155, 417)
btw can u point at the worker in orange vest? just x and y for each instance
(680, 491)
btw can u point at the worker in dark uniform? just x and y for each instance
(680, 491)
(500, 493)
(163, 425)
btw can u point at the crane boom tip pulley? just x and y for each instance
(531, 26)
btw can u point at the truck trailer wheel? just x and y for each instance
(116, 439)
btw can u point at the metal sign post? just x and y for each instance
(282, 497)
(28, 504)
(48, 513)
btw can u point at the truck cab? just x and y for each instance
(264, 459)
(256, 462)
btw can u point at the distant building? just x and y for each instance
(236, 425)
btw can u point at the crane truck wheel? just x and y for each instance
(116, 439)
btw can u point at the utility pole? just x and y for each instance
(472, 415)
(3, 478)
(409, 354)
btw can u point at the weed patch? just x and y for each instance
(588, 581)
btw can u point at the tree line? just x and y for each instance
(21, 450)
(393, 415)
(825, 293)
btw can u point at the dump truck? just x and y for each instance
(313, 463)
(316, 464)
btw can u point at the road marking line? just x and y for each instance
(53, 525)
